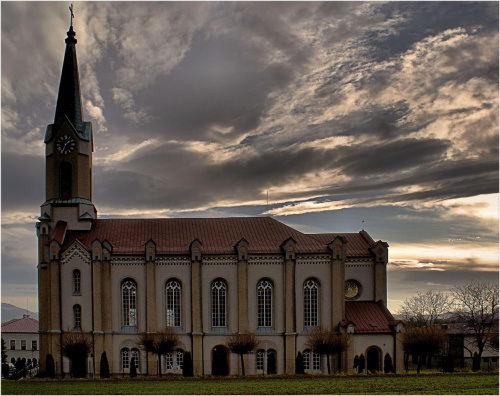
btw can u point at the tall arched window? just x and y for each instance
(77, 317)
(260, 360)
(65, 180)
(179, 359)
(173, 292)
(264, 303)
(310, 303)
(125, 357)
(76, 281)
(129, 303)
(219, 295)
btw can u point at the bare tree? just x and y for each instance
(76, 346)
(422, 341)
(424, 309)
(477, 306)
(243, 344)
(326, 342)
(159, 343)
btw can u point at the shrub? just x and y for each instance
(362, 363)
(449, 364)
(476, 362)
(355, 366)
(104, 366)
(388, 368)
(187, 368)
(50, 366)
(299, 364)
(133, 369)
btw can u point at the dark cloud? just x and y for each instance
(391, 107)
(23, 181)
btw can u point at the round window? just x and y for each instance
(352, 289)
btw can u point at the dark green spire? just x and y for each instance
(69, 98)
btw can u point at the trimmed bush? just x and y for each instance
(50, 366)
(299, 364)
(133, 370)
(187, 368)
(449, 364)
(355, 366)
(362, 363)
(104, 366)
(388, 368)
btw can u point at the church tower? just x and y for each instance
(68, 153)
(68, 203)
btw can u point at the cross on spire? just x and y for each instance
(71, 14)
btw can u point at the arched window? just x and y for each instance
(219, 295)
(173, 292)
(125, 357)
(179, 359)
(129, 303)
(76, 281)
(135, 355)
(307, 359)
(65, 180)
(310, 303)
(260, 360)
(264, 303)
(312, 360)
(77, 317)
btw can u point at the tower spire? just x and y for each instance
(69, 98)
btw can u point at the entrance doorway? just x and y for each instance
(373, 359)
(220, 364)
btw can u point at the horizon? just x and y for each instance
(331, 117)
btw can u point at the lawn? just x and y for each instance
(466, 384)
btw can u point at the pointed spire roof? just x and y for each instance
(69, 98)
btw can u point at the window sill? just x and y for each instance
(129, 329)
(77, 293)
(221, 330)
(266, 330)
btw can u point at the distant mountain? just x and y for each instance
(10, 311)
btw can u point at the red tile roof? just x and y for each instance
(369, 317)
(60, 231)
(265, 235)
(24, 325)
(358, 244)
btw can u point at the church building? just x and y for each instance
(206, 277)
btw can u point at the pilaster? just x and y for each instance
(380, 250)
(196, 308)
(398, 349)
(337, 280)
(242, 276)
(151, 324)
(290, 313)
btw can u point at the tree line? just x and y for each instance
(473, 305)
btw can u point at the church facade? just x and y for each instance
(206, 277)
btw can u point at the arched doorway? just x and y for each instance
(373, 359)
(220, 364)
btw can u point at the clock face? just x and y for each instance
(352, 289)
(65, 144)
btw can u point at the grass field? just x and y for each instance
(438, 384)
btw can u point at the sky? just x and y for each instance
(328, 116)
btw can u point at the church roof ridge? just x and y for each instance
(265, 235)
